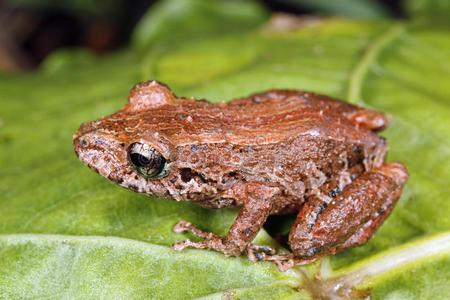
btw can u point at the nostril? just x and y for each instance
(83, 142)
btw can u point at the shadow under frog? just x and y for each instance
(278, 152)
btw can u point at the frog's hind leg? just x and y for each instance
(351, 217)
(363, 234)
(370, 119)
(349, 220)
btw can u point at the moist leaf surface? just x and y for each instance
(65, 231)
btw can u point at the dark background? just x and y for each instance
(30, 30)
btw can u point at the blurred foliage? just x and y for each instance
(180, 21)
(433, 8)
(79, 7)
(361, 9)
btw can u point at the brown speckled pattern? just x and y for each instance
(270, 153)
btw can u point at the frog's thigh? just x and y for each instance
(363, 234)
(370, 119)
(320, 228)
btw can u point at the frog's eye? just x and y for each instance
(147, 160)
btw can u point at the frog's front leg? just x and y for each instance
(257, 203)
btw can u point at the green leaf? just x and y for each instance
(430, 8)
(174, 22)
(42, 266)
(67, 232)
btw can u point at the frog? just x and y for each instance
(277, 152)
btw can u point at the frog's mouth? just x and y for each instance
(100, 153)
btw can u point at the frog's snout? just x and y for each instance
(100, 151)
(79, 139)
(81, 145)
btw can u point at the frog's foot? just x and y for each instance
(258, 252)
(218, 243)
(184, 226)
(285, 261)
(212, 241)
(209, 242)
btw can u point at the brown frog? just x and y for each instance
(278, 152)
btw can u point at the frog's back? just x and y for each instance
(281, 114)
(298, 141)
(264, 118)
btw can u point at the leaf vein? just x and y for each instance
(368, 58)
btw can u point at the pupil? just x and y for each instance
(139, 160)
(146, 160)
